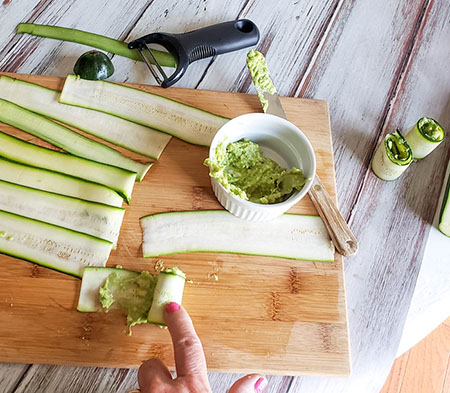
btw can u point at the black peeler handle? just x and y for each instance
(199, 44)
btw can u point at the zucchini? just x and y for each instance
(392, 157)
(183, 121)
(51, 246)
(137, 294)
(169, 288)
(107, 44)
(132, 136)
(95, 219)
(424, 136)
(94, 65)
(67, 139)
(444, 219)
(93, 279)
(42, 179)
(292, 236)
(115, 178)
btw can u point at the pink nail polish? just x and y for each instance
(172, 307)
(260, 385)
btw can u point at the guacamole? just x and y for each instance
(133, 294)
(259, 72)
(244, 171)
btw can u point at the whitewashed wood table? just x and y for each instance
(380, 64)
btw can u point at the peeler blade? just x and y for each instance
(152, 64)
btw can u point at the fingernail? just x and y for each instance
(172, 307)
(260, 385)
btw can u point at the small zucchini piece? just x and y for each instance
(424, 136)
(94, 65)
(392, 157)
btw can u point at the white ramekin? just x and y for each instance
(279, 140)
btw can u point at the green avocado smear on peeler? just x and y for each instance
(244, 171)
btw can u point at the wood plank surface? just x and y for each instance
(362, 57)
(294, 310)
(425, 368)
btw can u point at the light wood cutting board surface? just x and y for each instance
(268, 315)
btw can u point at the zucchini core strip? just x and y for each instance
(120, 180)
(424, 136)
(50, 245)
(392, 157)
(95, 219)
(292, 236)
(67, 139)
(92, 40)
(42, 179)
(182, 121)
(131, 136)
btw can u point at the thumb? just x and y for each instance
(252, 383)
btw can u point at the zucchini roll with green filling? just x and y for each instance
(424, 136)
(392, 157)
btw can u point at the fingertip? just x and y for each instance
(172, 307)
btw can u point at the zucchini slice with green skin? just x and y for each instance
(93, 279)
(444, 219)
(93, 40)
(392, 157)
(50, 245)
(120, 180)
(67, 139)
(182, 121)
(291, 236)
(95, 290)
(169, 288)
(132, 136)
(42, 179)
(424, 136)
(95, 219)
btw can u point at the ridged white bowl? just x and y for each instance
(279, 140)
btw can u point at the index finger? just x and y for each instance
(188, 350)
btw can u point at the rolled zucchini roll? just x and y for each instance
(424, 136)
(392, 157)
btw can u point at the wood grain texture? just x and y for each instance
(294, 311)
(425, 368)
(391, 219)
(359, 56)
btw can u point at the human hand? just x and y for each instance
(155, 377)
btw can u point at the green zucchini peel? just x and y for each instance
(98, 41)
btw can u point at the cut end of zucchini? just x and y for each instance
(424, 136)
(392, 157)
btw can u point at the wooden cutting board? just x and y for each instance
(268, 315)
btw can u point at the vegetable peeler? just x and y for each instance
(194, 45)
